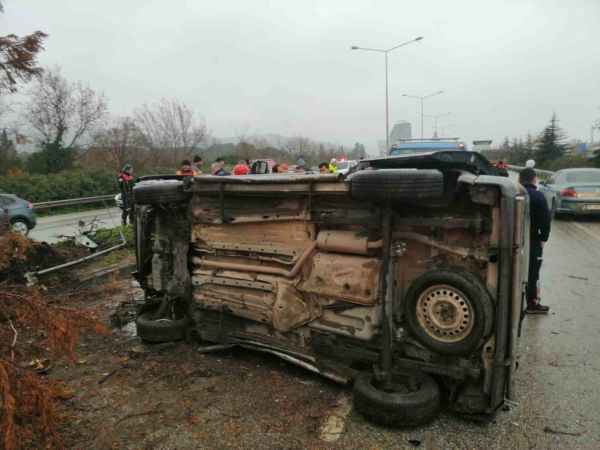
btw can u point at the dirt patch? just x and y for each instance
(132, 395)
(19, 255)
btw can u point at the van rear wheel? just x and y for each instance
(449, 311)
(412, 399)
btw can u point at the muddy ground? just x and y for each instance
(132, 395)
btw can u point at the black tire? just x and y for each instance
(402, 408)
(163, 329)
(464, 297)
(397, 184)
(154, 192)
(20, 225)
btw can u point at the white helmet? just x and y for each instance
(333, 161)
(530, 163)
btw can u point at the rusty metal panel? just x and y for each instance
(276, 303)
(346, 277)
(249, 303)
(294, 234)
(290, 309)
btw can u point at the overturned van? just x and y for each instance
(404, 278)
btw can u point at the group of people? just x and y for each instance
(190, 169)
(246, 167)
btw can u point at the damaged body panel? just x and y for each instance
(303, 266)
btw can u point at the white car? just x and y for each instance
(344, 166)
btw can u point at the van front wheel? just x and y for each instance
(412, 399)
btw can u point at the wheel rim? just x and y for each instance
(20, 227)
(445, 313)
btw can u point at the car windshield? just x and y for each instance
(343, 165)
(584, 176)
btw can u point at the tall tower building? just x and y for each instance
(400, 130)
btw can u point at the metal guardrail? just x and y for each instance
(73, 201)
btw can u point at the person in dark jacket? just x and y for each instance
(540, 232)
(125, 180)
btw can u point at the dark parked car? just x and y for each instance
(17, 212)
(573, 192)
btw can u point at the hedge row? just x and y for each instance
(72, 184)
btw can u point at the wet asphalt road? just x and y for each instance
(51, 227)
(558, 381)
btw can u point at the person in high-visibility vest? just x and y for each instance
(333, 165)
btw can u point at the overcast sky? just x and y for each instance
(286, 67)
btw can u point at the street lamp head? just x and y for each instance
(419, 38)
(354, 47)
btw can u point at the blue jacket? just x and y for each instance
(539, 214)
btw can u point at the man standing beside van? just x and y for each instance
(540, 232)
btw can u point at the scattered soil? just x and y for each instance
(128, 394)
(21, 255)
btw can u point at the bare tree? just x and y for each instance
(61, 112)
(121, 142)
(171, 126)
(301, 146)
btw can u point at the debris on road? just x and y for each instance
(567, 433)
(334, 424)
(575, 277)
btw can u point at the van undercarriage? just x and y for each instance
(406, 282)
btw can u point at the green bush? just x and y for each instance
(60, 186)
(106, 237)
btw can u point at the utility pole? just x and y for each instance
(422, 98)
(387, 101)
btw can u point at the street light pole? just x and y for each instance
(387, 101)
(387, 107)
(422, 98)
(435, 122)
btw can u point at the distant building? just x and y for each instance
(482, 145)
(400, 130)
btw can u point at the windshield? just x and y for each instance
(585, 176)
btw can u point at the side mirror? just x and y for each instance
(543, 183)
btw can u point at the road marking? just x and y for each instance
(334, 424)
(587, 230)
